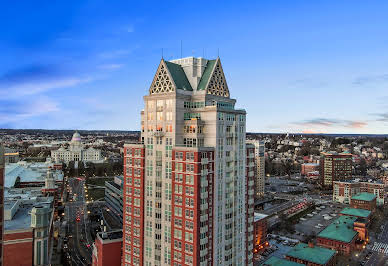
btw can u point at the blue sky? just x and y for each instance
(295, 66)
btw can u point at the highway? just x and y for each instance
(79, 241)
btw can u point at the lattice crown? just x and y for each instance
(217, 83)
(162, 81)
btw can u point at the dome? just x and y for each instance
(76, 137)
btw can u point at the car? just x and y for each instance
(78, 219)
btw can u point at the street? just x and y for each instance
(379, 256)
(79, 240)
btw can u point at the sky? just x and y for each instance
(295, 66)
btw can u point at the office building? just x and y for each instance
(335, 167)
(186, 194)
(363, 200)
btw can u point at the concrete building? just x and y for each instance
(185, 191)
(275, 261)
(260, 167)
(363, 200)
(114, 197)
(344, 190)
(76, 152)
(2, 162)
(107, 248)
(308, 254)
(335, 167)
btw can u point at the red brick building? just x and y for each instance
(344, 190)
(364, 200)
(340, 235)
(19, 247)
(308, 167)
(107, 248)
(335, 167)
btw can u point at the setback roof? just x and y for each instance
(364, 196)
(21, 219)
(206, 75)
(275, 261)
(341, 229)
(356, 212)
(179, 76)
(315, 254)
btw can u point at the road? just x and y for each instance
(379, 256)
(80, 245)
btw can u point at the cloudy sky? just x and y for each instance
(295, 66)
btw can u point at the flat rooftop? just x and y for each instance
(356, 212)
(341, 229)
(275, 261)
(21, 220)
(314, 254)
(259, 216)
(112, 235)
(365, 196)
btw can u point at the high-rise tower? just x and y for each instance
(187, 199)
(2, 174)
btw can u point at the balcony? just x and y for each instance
(158, 134)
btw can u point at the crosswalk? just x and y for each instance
(380, 247)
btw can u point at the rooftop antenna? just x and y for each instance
(162, 53)
(203, 52)
(181, 49)
(218, 52)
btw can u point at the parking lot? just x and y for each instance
(315, 221)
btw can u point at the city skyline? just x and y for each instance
(305, 67)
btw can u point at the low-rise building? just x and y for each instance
(275, 261)
(364, 200)
(340, 235)
(308, 254)
(344, 190)
(306, 168)
(107, 248)
(361, 213)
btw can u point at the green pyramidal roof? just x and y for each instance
(315, 254)
(179, 76)
(206, 75)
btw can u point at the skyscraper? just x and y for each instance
(2, 174)
(335, 166)
(187, 197)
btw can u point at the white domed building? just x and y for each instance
(76, 152)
